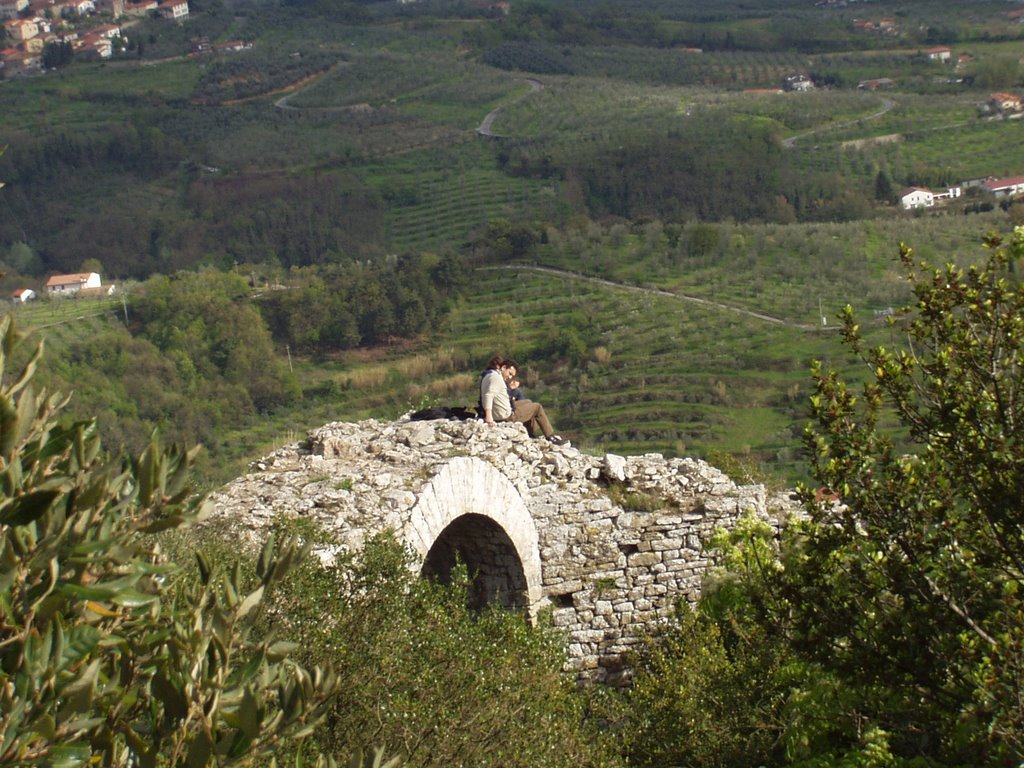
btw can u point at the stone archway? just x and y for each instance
(471, 510)
(489, 556)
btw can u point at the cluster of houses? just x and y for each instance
(79, 285)
(1000, 189)
(30, 25)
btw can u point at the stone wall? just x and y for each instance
(609, 544)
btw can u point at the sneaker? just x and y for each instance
(558, 440)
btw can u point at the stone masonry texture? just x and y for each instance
(610, 545)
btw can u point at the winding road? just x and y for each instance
(887, 105)
(294, 89)
(488, 121)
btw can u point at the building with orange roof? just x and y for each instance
(68, 285)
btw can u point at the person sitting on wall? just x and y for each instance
(497, 406)
(489, 381)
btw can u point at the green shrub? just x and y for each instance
(696, 702)
(107, 655)
(635, 500)
(431, 679)
(884, 630)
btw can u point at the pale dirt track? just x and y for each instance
(670, 295)
(887, 105)
(488, 121)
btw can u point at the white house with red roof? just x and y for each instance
(68, 285)
(21, 30)
(1005, 102)
(75, 7)
(15, 62)
(21, 295)
(917, 197)
(1008, 187)
(923, 197)
(114, 7)
(142, 8)
(176, 10)
(93, 46)
(940, 53)
(109, 31)
(139, 9)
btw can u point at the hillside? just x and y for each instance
(630, 357)
(331, 212)
(640, 149)
(367, 128)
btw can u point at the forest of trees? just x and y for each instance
(206, 352)
(289, 221)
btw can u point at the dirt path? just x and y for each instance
(290, 89)
(295, 88)
(670, 295)
(887, 105)
(488, 121)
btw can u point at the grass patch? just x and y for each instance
(634, 500)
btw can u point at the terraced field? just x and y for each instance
(939, 135)
(60, 318)
(736, 69)
(442, 205)
(672, 377)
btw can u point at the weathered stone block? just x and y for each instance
(662, 545)
(643, 559)
(615, 468)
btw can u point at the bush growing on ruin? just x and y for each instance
(709, 689)
(431, 679)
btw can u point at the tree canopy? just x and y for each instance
(107, 653)
(909, 588)
(887, 627)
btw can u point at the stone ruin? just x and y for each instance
(609, 544)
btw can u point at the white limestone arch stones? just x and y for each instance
(467, 485)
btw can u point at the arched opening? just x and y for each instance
(490, 557)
